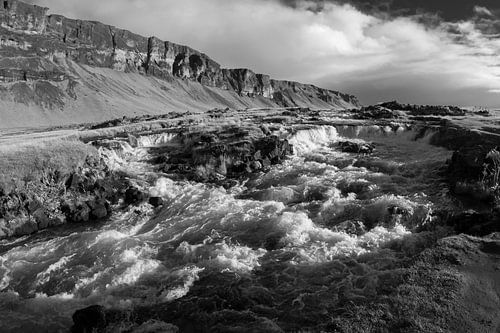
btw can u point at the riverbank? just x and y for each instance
(360, 224)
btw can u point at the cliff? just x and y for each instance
(56, 70)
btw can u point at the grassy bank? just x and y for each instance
(39, 161)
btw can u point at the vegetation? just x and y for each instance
(491, 173)
(40, 162)
(492, 168)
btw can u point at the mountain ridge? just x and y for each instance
(50, 65)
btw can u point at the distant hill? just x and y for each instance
(55, 70)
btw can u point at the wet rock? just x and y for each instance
(356, 147)
(475, 223)
(376, 112)
(265, 129)
(155, 326)
(351, 228)
(133, 195)
(76, 211)
(42, 218)
(396, 210)
(89, 320)
(74, 181)
(99, 209)
(81, 213)
(34, 205)
(23, 226)
(156, 201)
(231, 152)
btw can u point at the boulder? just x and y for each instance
(99, 209)
(23, 226)
(133, 195)
(351, 227)
(82, 213)
(356, 147)
(89, 320)
(76, 211)
(42, 218)
(156, 201)
(475, 223)
(74, 181)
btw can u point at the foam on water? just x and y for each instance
(287, 217)
(311, 139)
(154, 140)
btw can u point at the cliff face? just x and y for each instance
(42, 58)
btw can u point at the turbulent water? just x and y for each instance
(282, 225)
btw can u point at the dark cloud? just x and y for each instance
(448, 10)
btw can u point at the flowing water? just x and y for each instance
(279, 231)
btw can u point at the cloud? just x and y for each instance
(482, 11)
(337, 46)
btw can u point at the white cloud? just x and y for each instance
(482, 11)
(339, 47)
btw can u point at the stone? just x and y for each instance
(75, 211)
(475, 223)
(34, 205)
(24, 226)
(74, 181)
(42, 218)
(89, 319)
(98, 209)
(81, 214)
(133, 195)
(156, 201)
(356, 147)
(351, 227)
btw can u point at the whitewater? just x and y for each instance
(290, 225)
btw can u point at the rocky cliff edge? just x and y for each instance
(56, 70)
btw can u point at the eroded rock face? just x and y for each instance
(221, 156)
(37, 46)
(356, 147)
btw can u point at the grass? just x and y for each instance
(40, 161)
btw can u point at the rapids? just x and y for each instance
(293, 224)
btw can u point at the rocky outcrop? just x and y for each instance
(36, 47)
(356, 147)
(85, 195)
(221, 156)
(417, 110)
(473, 168)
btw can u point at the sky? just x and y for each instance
(413, 51)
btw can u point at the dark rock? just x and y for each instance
(265, 129)
(24, 226)
(34, 205)
(356, 147)
(76, 211)
(396, 210)
(376, 112)
(89, 320)
(156, 201)
(42, 218)
(81, 214)
(475, 223)
(74, 181)
(351, 227)
(231, 152)
(99, 209)
(384, 110)
(133, 195)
